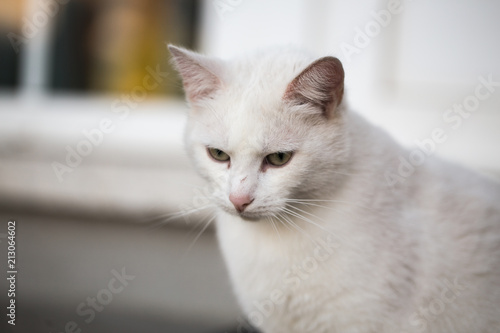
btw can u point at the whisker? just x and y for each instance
(307, 204)
(316, 205)
(196, 225)
(310, 201)
(296, 226)
(313, 203)
(310, 214)
(173, 215)
(278, 217)
(176, 216)
(293, 213)
(303, 211)
(270, 219)
(341, 237)
(298, 215)
(198, 236)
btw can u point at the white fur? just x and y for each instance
(374, 257)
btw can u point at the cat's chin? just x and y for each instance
(251, 218)
(247, 216)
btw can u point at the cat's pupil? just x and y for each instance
(278, 158)
(218, 154)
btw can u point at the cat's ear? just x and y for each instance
(321, 84)
(198, 73)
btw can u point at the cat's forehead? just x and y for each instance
(267, 73)
(245, 125)
(260, 131)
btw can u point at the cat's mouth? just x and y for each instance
(249, 216)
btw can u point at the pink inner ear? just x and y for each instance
(199, 83)
(321, 83)
(198, 80)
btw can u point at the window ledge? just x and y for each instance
(135, 169)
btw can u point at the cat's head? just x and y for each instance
(264, 130)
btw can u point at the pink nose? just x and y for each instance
(240, 202)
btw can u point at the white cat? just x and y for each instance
(316, 239)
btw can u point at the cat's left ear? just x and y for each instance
(321, 84)
(198, 72)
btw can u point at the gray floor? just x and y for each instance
(62, 262)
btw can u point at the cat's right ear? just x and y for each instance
(198, 73)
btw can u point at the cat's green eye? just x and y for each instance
(218, 154)
(279, 158)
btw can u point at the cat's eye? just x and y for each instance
(279, 158)
(218, 154)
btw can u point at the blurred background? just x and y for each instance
(91, 121)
